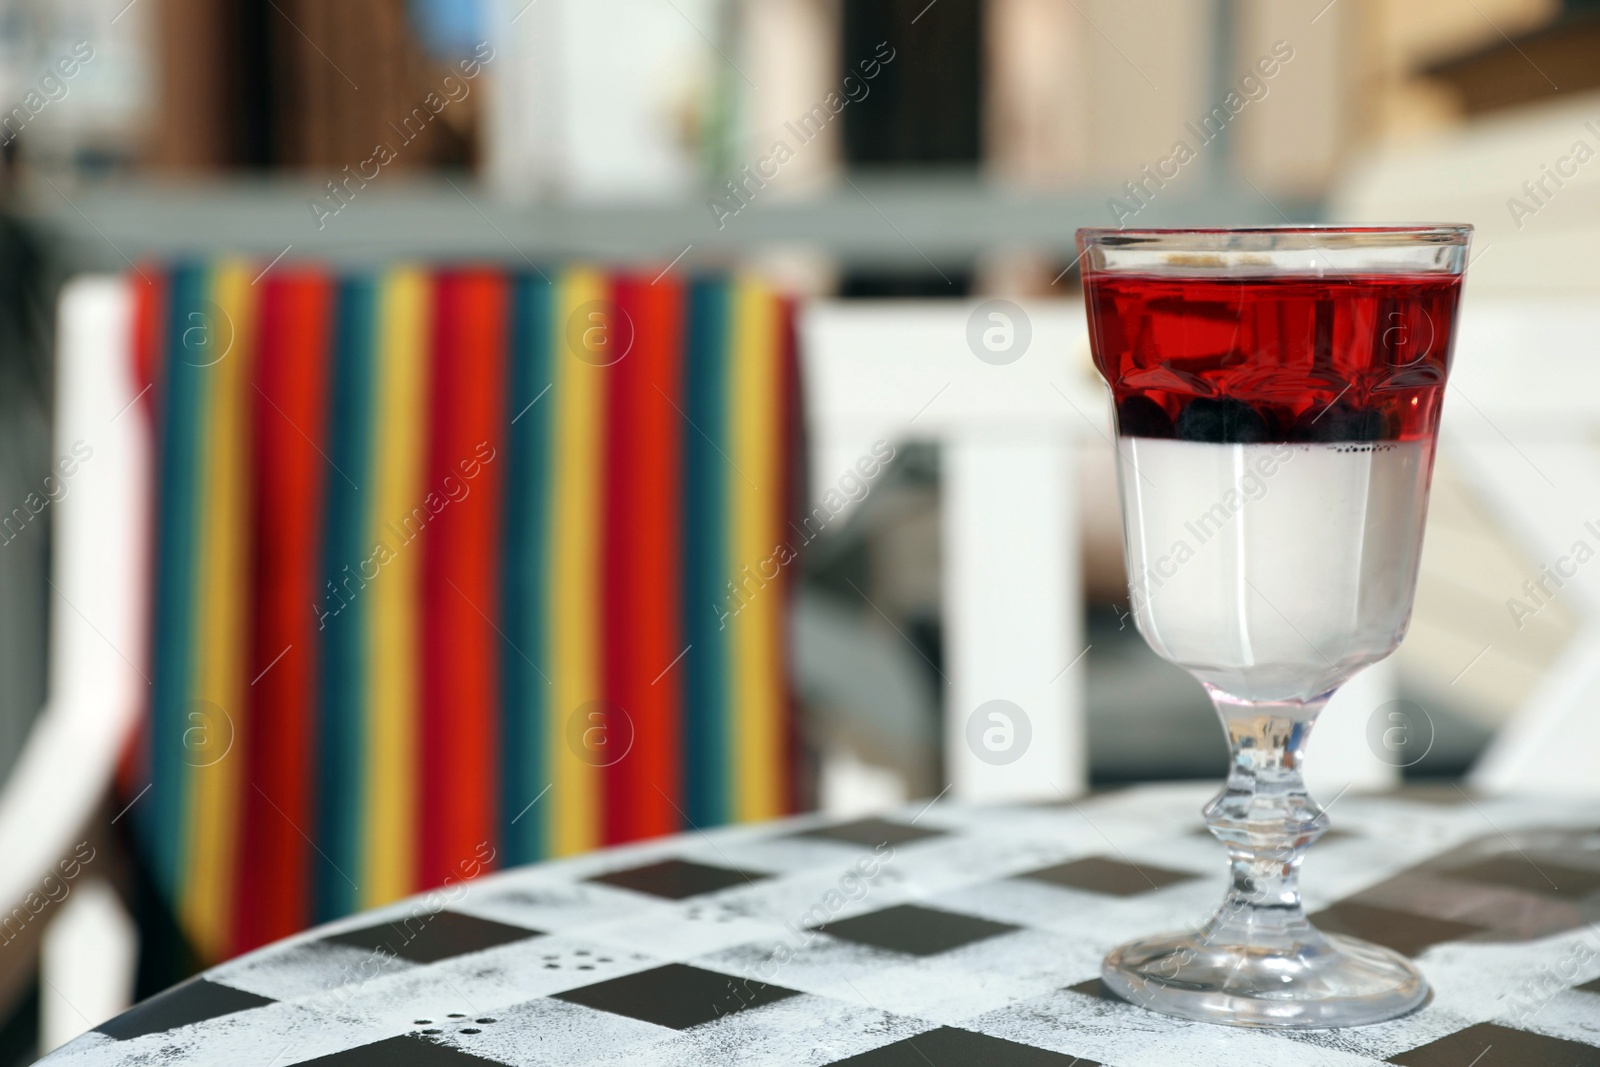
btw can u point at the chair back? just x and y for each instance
(452, 570)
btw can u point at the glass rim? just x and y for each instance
(1451, 233)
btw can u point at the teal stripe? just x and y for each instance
(705, 519)
(186, 350)
(525, 592)
(348, 565)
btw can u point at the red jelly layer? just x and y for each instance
(1353, 357)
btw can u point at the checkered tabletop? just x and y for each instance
(948, 936)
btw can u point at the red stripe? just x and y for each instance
(655, 554)
(618, 518)
(663, 553)
(149, 291)
(792, 501)
(149, 300)
(460, 585)
(631, 794)
(288, 472)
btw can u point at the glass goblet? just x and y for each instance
(1277, 394)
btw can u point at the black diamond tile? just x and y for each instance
(950, 1047)
(1536, 876)
(916, 930)
(399, 1052)
(1100, 874)
(872, 833)
(1489, 1045)
(1400, 930)
(676, 995)
(191, 1002)
(678, 879)
(430, 938)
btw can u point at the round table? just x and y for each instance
(945, 935)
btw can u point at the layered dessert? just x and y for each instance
(1276, 443)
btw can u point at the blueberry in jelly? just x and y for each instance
(1139, 416)
(1222, 421)
(1340, 421)
(1277, 343)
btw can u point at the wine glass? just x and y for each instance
(1277, 396)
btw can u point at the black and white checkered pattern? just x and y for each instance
(950, 936)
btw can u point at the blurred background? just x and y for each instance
(856, 151)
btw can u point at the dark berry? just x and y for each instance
(1139, 416)
(1222, 421)
(1340, 421)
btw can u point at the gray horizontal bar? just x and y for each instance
(888, 222)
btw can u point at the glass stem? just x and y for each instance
(1266, 820)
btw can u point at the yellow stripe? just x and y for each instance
(574, 565)
(755, 495)
(214, 722)
(392, 653)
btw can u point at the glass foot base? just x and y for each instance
(1323, 982)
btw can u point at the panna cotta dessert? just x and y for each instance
(1275, 437)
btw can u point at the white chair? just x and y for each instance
(1525, 420)
(1522, 420)
(55, 796)
(1013, 604)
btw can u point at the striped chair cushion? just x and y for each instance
(453, 570)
